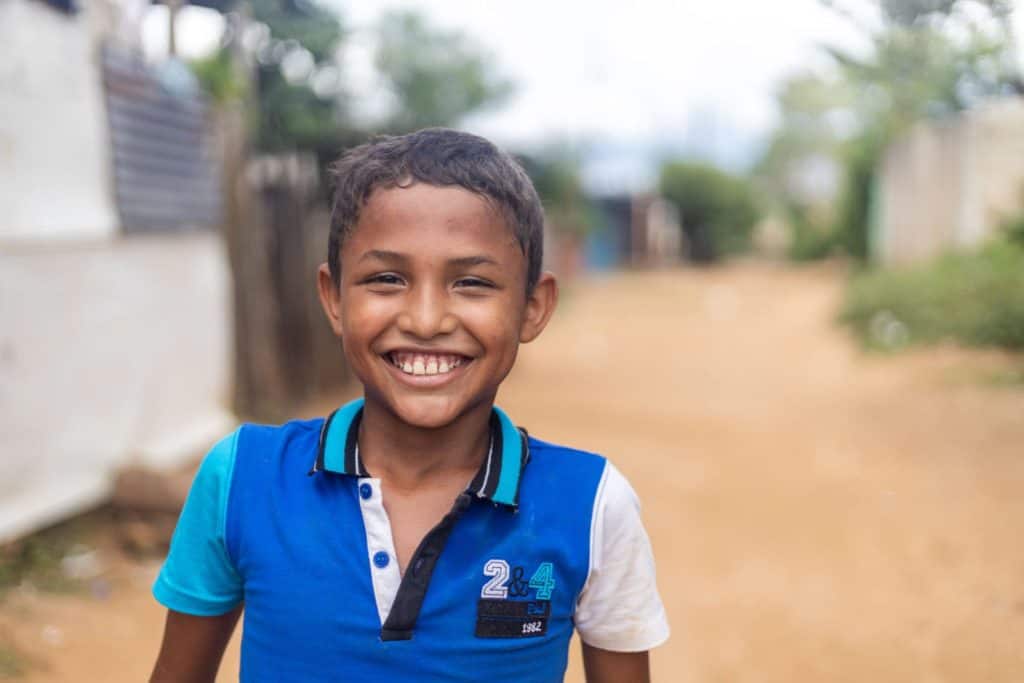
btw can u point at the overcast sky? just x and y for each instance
(634, 69)
(688, 73)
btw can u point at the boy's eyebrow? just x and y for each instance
(384, 255)
(476, 260)
(460, 262)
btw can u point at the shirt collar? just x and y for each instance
(497, 479)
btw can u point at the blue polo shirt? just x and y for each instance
(287, 520)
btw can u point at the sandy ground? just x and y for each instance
(818, 514)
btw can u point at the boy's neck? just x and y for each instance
(409, 457)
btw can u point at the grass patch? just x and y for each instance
(39, 558)
(12, 664)
(975, 298)
(1010, 378)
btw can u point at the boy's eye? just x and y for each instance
(383, 279)
(472, 282)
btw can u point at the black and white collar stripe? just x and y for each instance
(496, 480)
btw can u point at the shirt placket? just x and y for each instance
(380, 546)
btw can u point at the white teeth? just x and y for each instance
(417, 364)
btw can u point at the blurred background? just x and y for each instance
(790, 237)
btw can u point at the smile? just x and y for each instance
(416, 363)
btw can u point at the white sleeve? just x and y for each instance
(619, 608)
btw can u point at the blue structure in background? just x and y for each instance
(607, 245)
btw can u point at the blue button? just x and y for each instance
(381, 559)
(366, 491)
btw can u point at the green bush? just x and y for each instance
(808, 239)
(976, 298)
(717, 209)
(853, 219)
(1014, 229)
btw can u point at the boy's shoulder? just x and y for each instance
(294, 439)
(562, 471)
(553, 453)
(286, 429)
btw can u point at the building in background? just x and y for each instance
(114, 287)
(640, 230)
(53, 133)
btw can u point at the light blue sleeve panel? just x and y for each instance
(198, 577)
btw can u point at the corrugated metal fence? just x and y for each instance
(164, 163)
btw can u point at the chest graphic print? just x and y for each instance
(506, 608)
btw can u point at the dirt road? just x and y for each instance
(817, 514)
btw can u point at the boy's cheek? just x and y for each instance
(361, 317)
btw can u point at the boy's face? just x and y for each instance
(432, 303)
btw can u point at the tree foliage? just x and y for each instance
(310, 24)
(289, 113)
(556, 176)
(219, 78)
(717, 209)
(922, 72)
(915, 12)
(435, 76)
(814, 119)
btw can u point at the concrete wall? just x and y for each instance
(54, 150)
(111, 353)
(655, 231)
(950, 184)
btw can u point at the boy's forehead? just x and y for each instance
(420, 196)
(422, 210)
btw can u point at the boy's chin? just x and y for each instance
(427, 412)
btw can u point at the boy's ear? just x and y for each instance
(540, 305)
(330, 297)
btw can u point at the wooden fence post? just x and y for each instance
(276, 235)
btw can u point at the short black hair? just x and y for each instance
(441, 157)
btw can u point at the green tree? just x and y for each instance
(717, 209)
(814, 118)
(220, 78)
(556, 176)
(290, 114)
(435, 76)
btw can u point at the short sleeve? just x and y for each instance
(619, 608)
(198, 576)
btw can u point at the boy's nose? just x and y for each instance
(426, 315)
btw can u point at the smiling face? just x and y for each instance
(432, 303)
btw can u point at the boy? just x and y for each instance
(341, 535)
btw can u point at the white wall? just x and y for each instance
(54, 152)
(950, 184)
(110, 353)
